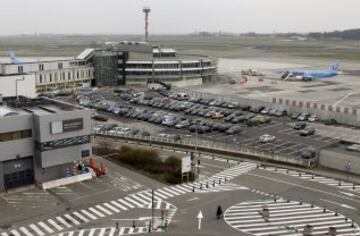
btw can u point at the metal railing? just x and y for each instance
(189, 143)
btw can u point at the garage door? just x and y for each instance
(18, 172)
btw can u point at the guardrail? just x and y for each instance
(213, 147)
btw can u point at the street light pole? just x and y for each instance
(152, 209)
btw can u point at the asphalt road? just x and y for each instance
(300, 200)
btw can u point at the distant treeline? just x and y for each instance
(346, 34)
(352, 34)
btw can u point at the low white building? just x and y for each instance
(21, 85)
(48, 74)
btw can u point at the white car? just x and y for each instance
(115, 130)
(98, 128)
(267, 138)
(313, 118)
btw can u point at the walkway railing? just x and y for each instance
(189, 144)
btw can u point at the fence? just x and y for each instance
(214, 147)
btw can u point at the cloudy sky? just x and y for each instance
(176, 16)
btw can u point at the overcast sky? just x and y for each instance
(176, 16)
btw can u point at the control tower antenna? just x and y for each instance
(146, 10)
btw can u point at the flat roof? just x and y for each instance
(39, 106)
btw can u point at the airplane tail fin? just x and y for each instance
(13, 59)
(335, 66)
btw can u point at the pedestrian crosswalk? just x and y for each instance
(287, 218)
(141, 199)
(316, 178)
(106, 231)
(168, 208)
(222, 188)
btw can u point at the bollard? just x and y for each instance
(287, 171)
(275, 198)
(324, 210)
(201, 186)
(352, 224)
(353, 186)
(227, 160)
(299, 174)
(193, 188)
(117, 225)
(300, 203)
(133, 224)
(288, 200)
(336, 212)
(214, 183)
(225, 179)
(346, 219)
(219, 181)
(207, 185)
(312, 176)
(312, 204)
(339, 183)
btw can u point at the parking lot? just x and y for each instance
(165, 115)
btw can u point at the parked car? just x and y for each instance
(100, 118)
(267, 138)
(313, 118)
(281, 112)
(257, 109)
(223, 127)
(238, 119)
(307, 131)
(303, 116)
(245, 107)
(272, 112)
(330, 122)
(265, 111)
(229, 117)
(233, 130)
(300, 125)
(98, 128)
(308, 153)
(295, 115)
(217, 115)
(182, 124)
(204, 129)
(233, 105)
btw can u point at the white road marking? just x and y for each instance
(339, 204)
(44, 226)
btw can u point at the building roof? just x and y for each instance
(85, 54)
(7, 111)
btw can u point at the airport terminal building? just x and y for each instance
(125, 63)
(40, 139)
(133, 63)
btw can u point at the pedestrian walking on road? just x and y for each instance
(219, 212)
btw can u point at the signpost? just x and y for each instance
(185, 167)
(200, 216)
(348, 168)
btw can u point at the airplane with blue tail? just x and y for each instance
(13, 59)
(309, 75)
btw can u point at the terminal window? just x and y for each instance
(9, 136)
